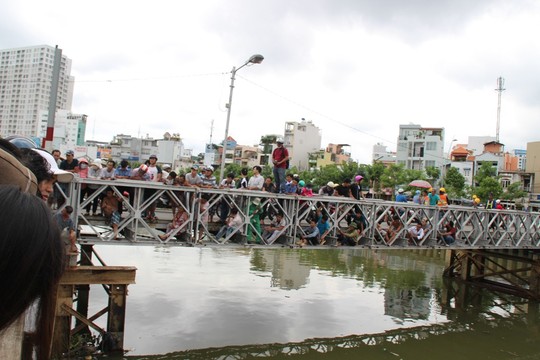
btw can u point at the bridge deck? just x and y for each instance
(476, 228)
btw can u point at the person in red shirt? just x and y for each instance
(280, 158)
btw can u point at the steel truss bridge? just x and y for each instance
(476, 228)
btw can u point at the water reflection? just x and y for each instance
(230, 300)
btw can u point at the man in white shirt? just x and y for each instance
(256, 182)
(415, 233)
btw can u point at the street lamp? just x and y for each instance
(254, 59)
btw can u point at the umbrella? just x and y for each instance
(420, 184)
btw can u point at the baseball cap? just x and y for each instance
(70, 152)
(400, 190)
(153, 157)
(331, 184)
(61, 175)
(358, 177)
(143, 168)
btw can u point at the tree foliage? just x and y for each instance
(513, 192)
(433, 173)
(454, 183)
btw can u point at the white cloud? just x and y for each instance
(357, 69)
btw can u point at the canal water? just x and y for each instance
(225, 303)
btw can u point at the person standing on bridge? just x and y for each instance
(256, 181)
(280, 159)
(433, 197)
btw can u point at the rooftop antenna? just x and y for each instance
(500, 88)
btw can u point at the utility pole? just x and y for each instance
(500, 88)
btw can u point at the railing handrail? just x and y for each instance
(477, 227)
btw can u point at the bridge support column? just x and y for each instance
(508, 271)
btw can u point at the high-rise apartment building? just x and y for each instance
(26, 80)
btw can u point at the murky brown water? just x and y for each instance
(207, 303)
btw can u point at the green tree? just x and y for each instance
(374, 173)
(454, 183)
(514, 192)
(393, 175)
(488, 185)
(486, 170)
(433, 173)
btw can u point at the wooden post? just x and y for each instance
(62, 321)
(83, 290)
(117, 316)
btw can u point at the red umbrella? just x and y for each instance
(421, 184)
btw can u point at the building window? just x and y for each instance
(431, 145)
(467, 172)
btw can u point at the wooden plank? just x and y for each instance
(89, 275)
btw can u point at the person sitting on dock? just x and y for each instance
(180, 218)
(272, 232)
(393, 230)
(311, 234)
(233, 225)
(348, 236)
(415, 234)
(449, 235)
(109, 207)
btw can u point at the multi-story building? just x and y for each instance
(26, 82)
(132, 148)
(69, 129)
(420, 147)
(301, 139)
(334, 154)
(521, 158)
(533, 166)
(381, 154)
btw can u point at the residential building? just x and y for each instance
(533, 166)
(247, 156)
(228, 151)
(522, 158)
(301, 139)
(381, 154)
(132, 148)
(25, 92)
(69, 129)
(170, 150)
(420, 147)
(333, 154)
(476, 144)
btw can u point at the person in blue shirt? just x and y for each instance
(433, 198)
(324, 227)
(401, 197)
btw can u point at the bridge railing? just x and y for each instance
(475, 227)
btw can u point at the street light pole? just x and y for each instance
(254, 59)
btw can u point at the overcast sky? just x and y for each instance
(356, 68)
